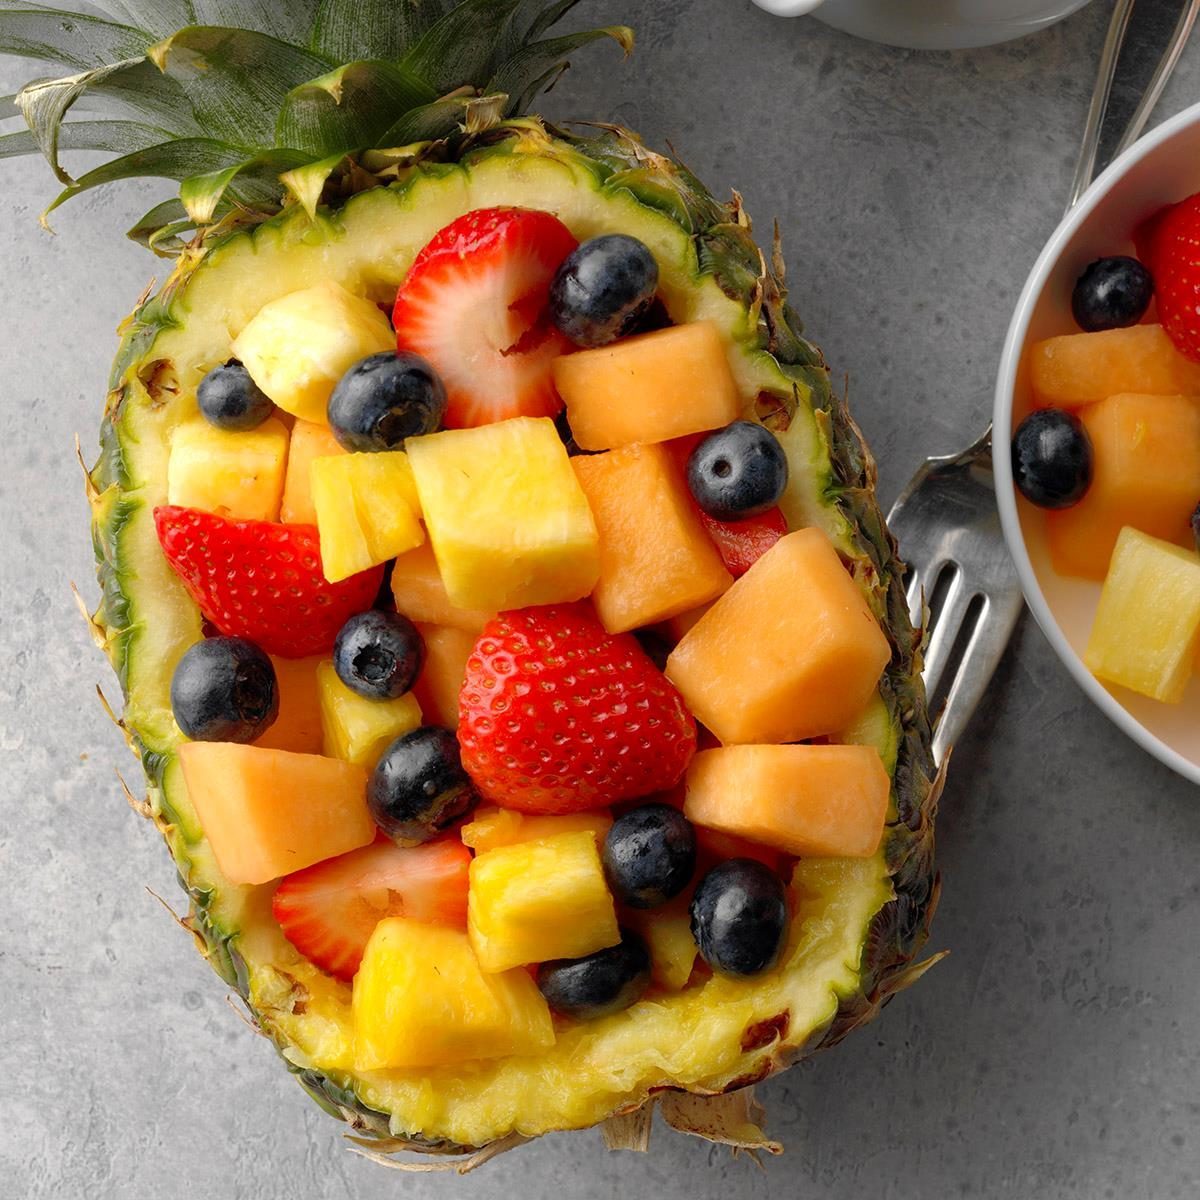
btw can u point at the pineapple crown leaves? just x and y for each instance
(253, 104)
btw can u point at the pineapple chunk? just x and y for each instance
(668, 935)
(296, 348)
(359, 730)
(509, 523)
(421, 1000)
(491, 827)
(367, 510)
(309, 441)
(236, 475)
(1145, 634)
(536, 901)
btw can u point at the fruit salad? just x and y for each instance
(1111, 453)
(519, 691)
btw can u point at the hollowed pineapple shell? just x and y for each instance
(859, 922)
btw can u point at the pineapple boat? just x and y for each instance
(518, 658)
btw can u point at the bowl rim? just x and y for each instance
(1002, 412)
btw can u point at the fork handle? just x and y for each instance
(1116, 57)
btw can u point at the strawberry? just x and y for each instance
(556, 715)
(740, 543)
(474, 304)
(329, 911)
(262, 581)
(1174, 260)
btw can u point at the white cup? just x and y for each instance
(931, 24)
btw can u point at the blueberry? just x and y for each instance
(419, 786)
(738, 472)
(1111, 294)
(384, 399)
(649, 855)
(379, 654)
(230, 399)
(224, 690)
(603, 289)
(740, 917)
(1052, 458)
(601, 983)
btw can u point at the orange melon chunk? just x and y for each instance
(298, 726)
(1146, 474)
(814, 801)
(441, 678)
(420, 594)
(267, 813)
(790, 652)
(309, 441)
(648, 388)
(1082, 368)
(655, 559)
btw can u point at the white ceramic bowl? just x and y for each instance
(1164, 166)
(931, 24)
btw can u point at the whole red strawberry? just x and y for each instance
(1174, 260)
(556, 715)
(262, 581)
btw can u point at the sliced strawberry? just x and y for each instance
(1174, 260)
(262, 581)
(329, 911)
(474, 304)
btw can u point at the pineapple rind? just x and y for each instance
(857, 949)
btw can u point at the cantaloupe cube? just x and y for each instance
(441, 679)
(367, 510)
(267, 813)
(509, 523)
(490, 827)
(649, 388)
(655, 559)
(236, 475)
(813, 801)
(1146, 474)
(535, 901)
(1145, 634)
(420, 594)
(357, 728)
(298, 726)
(420, 1000)
(297, 347)
(1082, 368)
(790, 652)
(309, 441)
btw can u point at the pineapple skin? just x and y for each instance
(145, 621)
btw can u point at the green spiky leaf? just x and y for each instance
(380, 29)
(348, 108)
(460, 48)
(529, 71)
(200, 194)
(74, 39)
(116, 137)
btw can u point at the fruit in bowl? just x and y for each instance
(467, 419)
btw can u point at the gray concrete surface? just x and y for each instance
(1054, 1054)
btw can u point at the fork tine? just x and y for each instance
(944, 630)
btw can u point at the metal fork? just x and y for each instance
(946, 519)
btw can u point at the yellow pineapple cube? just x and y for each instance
(535, 901)
(296, 348)
(357, 729)
(491, 827)
(367, 510)
(421, 1000)
(667, 932)
(509, 523)
(1145, 634)
(236, 475)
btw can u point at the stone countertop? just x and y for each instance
(1054, 1054)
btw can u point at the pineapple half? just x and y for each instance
(330, 144)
